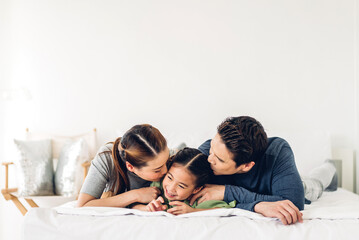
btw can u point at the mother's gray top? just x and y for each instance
(102, 175)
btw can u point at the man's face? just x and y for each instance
(221, 159)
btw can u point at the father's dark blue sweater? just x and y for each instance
(273, 178)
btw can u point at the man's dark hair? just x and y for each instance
(244, 137)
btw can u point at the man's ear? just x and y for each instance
(246, 167)
(196, 190)
(130, 167)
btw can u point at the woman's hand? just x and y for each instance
(156, 205)
(146, 195)
(180, 208)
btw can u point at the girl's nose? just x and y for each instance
(171, 187)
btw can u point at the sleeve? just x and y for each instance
(215, 204)
(286, 185)
(98, 175)
(156, 184)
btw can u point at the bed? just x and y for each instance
(334, 216)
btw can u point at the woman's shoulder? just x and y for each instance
(103, 159)
(105, 148)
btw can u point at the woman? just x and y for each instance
(122, 171)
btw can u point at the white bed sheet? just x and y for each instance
(334, 216)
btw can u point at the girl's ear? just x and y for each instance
(130, 167)
(196, 190)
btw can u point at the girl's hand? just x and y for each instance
(146, 195)
(156, 205)
(180, 208)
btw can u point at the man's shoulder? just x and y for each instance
(275, 145)
(204, 148)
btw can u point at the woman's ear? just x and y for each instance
(130, 167)
(196, 190)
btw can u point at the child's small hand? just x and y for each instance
(156, 205)
(180, 208)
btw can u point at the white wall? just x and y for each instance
(357, 95)
(183, 66)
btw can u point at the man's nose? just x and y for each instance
(210, 159)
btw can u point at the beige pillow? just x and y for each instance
(59, 141)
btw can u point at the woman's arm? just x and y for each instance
(121, 200)
(139, 206)
(142, 195)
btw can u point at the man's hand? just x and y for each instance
(209, 192)
(285, 210)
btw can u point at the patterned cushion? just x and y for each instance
(35, 168)
(69, 173)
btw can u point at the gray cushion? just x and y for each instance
(34, 168)
(69, 172)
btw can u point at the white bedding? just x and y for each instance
(334, 216)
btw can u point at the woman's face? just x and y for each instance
(179, 183)
(155, 168)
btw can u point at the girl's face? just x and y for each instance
(179, 183)
(154, 170)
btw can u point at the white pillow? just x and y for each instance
(69, 172)
(35, 168)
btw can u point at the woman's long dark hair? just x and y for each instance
(137, 146)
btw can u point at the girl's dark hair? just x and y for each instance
(196, 163)
(244, 137)
(137, 146)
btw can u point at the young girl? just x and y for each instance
(122, 171)
(188, 173)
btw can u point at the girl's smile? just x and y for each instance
(179, 183)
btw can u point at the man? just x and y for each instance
(259, 173)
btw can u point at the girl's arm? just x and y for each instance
(154, 206)
(181, 208)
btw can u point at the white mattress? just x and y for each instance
(334, 216)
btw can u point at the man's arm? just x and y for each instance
(286, 185)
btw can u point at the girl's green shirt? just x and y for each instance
(204, 205)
